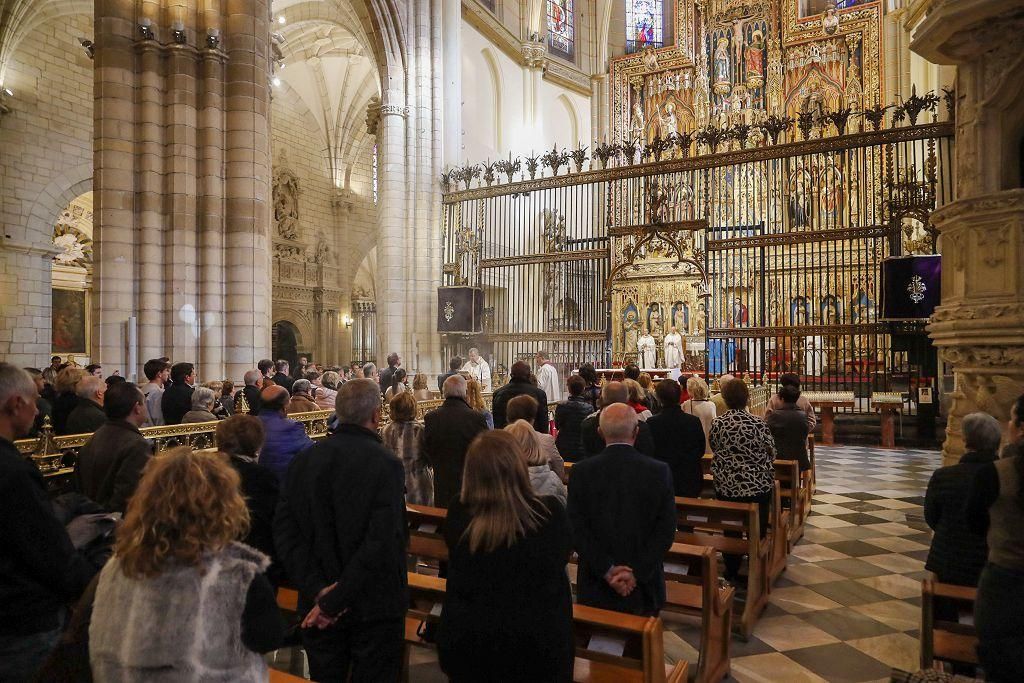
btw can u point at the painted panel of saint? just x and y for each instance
(630, 327)
(831, 312)
(739, 315)
(862, 308)
(69, 322)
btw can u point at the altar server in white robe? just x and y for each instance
(673, 349)
(648, 349)
(478, 369)
(547, 378)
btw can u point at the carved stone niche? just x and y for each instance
(979, 326)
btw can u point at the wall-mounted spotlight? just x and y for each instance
(276, 82)
(8, 92)
(90, 48)
(178, 32)
(146, 28)
(212, 38)
(280, 19)
(346, 321)
(4, 94)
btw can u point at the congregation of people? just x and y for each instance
(171, 571)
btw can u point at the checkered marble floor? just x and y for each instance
(847, 608)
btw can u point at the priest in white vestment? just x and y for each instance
(478, 369)
(648, 349)
(547, 378)
(673, 349)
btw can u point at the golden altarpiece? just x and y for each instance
(754, 183)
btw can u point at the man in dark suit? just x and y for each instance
(612, 393)
(281, 377)
(394, 361)
(789, 425)
(623, 515)
(448, 431)
(678, 440)
(88, 415)
(340, 532)
(177, 399)
(454, 365)
(519, 384)
(111, 461)
(253, 385)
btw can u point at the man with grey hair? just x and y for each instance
(370, 372)
(622, 511)
(612, 393)
(957, 554)
(302, 398)
(88, 415)
(44, 572)
(253, 380)
(203, 401)
(340, 532)
(448, 431)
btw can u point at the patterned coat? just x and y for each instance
(405, 439)
(744, 451)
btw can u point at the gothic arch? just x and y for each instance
(53, 199)
(574, 119)
(496, 83)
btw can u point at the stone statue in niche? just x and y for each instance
(285, 196)
(322, 254)
(813, 100)
(658, 203)
(669, 122)
(630, 327)
(638, 128)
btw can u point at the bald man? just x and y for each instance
(285, 438)
(623, 514)
(590, 435)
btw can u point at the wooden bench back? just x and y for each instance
(947, 641)
(704, 515)
(425, 535)
(787, 473)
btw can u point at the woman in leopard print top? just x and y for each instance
(744, 451)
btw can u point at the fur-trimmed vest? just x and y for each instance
(183, 625)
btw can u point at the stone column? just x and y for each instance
(182, 182)
(979, 327)
(393, 250)
(452, 106)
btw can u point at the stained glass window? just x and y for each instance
(644, 20)
(561, 28)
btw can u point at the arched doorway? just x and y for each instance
(285, 341)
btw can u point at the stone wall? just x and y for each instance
(45, 162)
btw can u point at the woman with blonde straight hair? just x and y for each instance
(507, 554)
(181, 597)
(475, 399)
(419, 388)
(700, 406)
(542, 478)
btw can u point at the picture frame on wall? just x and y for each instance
(70, 321)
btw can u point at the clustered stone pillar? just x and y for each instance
(979, 327)
(182, 183)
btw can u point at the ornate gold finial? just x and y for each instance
(45, 442)
(242, 404)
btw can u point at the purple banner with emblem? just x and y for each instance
(911, 287)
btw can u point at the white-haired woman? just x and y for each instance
(329, 383)
(203, 401)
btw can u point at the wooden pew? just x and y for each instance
(704, 522)
(425, 539)
(796, 496)
(946, 641)
(779, 522)
(693, 588)
(278, 676)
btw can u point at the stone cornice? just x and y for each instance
(497, 33)
(944, 37)
(30, 248)
(568, 77)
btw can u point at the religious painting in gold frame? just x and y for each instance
(70, 321)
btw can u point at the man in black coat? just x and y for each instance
(253, 384)
(454, 365)
(569, 417)
(590, 437)
(111, 461)
(788, 423)
(623, 516)
(519, 384)
(340, 532)
(177, 399)
(394, 361)
(678, 440)
(88, 414)
(282, 378)
(40, 571)
(448, 431)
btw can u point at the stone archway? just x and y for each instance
(286, 341)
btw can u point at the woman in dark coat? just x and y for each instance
(508, 603)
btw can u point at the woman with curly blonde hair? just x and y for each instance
(181, 598)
